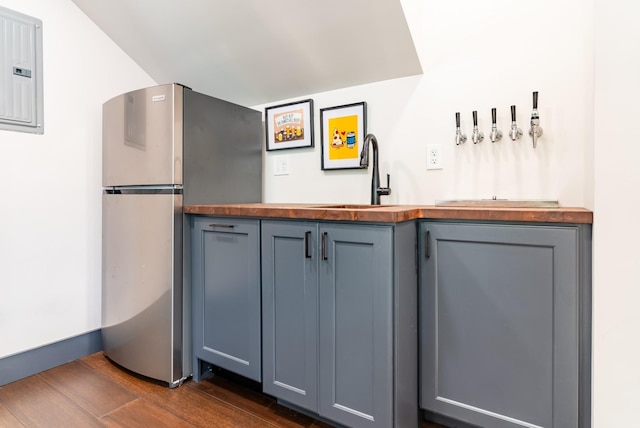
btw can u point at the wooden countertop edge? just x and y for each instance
(533, 215)
(396, 213)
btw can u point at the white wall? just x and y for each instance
(475, 55)
(617, 204)
(50, 233)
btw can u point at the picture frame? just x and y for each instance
(289, 126)
(342, 132)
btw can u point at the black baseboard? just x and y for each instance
(445, 420)
(24, 364)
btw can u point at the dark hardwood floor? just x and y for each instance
(92, 392)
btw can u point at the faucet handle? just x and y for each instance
(493, 116)
(458, 119)
(513, 113)
(385, 190)
(535, 100)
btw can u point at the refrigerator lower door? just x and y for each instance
(142, 283)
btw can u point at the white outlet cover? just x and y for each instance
(434, 156)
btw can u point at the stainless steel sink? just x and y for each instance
(498, 203)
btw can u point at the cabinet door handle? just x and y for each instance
(427, 237)
(324, 244)
(307, 250)
(225, 226)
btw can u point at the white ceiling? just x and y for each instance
(257, 51)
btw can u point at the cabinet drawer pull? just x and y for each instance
(307, 250)
(324, 244)
(427, 236)
(225, 226)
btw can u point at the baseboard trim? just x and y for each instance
(445, 420)
(24, 364)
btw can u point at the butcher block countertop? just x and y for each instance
(394, 213)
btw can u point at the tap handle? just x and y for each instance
(458, 119)
(513, 113)
(493, 116)
(535, 100)
(475, 118)
(388, 181)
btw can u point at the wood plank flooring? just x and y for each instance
(92, 392)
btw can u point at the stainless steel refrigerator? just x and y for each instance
(164, 147)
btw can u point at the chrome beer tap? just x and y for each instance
(536, 130)
(515, 133)
(496, 134)
(460, 137)
(476, 136)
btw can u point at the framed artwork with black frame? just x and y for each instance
(343, 129)
(289, 126)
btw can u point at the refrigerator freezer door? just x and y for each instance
(142, 137)
(142, 283)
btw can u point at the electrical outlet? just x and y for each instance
(434, 156)
(281, 165)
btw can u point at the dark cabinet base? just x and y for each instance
(435, 420)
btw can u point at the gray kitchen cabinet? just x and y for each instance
(225, 255)
(290, 311)
(505, 323)
(340, 320)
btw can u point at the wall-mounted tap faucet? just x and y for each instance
(476, 136)
(376, 190)
(496, 134)
(536, 130)
(460, 137)
(515, 133)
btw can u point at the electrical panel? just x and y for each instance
(21, 103)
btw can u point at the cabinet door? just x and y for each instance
(355, 289)
(290, 311)
(226, 294)
(499, 324)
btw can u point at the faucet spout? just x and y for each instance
(376, 190)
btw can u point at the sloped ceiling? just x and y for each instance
(256, 51)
